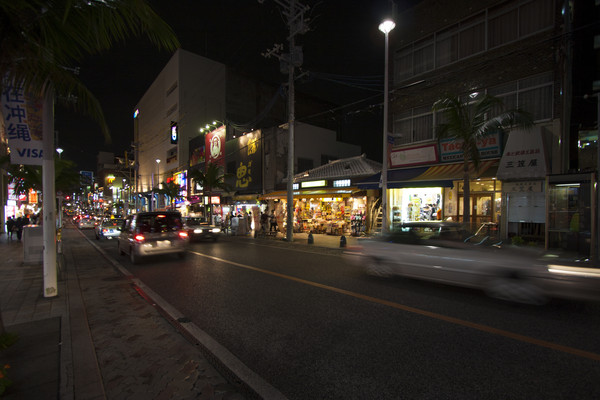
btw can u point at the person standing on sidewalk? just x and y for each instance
(10, 227)
(19, 227)
(273, 222)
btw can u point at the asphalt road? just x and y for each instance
(317, 328)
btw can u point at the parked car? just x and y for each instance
(199, 229)
(152, 233)
(441, 252)
(109, 228)
(87, 223)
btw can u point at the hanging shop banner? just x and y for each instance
(419, 155)
(23, 124)
(524, 156)
(488, 145)
(197, 151)
(244, 162)
(215, 147)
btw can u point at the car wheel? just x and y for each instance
(509, 286)
(376, 267)
(134, 258)
(97, 237)
(121, 252)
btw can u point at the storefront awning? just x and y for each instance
(441, 175)
(315, 193)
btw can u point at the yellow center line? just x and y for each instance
(441, 317)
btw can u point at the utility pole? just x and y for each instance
(48, 201)
(294, 13)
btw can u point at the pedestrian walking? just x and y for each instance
(19, 227)
(10, 227)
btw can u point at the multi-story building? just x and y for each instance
(194, 113)
(537, 55)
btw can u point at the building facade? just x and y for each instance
(532, 55)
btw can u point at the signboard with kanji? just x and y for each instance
(524, 156)
(244, 163)
(22, 114)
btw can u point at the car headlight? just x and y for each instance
(216, 230)
(197, 230)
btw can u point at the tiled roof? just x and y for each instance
(352, 167)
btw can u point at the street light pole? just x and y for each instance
(157, 179)
(385, 27)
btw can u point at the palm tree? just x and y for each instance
(40, 40)
(172, 191)
(212, 178)
(29, 177)
(469, 121)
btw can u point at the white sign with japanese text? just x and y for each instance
(524, 156)
(23, 124)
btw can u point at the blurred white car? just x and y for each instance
(87, 223)
(109, 228)
(441, 252)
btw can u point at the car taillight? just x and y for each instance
(139, 238)
(104, 230)
(183, 235)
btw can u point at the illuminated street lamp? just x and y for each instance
(385, 27)
(157, 180)
(214, 125)
(59, 151)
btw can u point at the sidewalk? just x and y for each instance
(107, 336)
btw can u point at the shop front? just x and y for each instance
(436, 193)
(325, 211)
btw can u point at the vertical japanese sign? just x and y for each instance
(246, 160)
(524, 156)
(22, 114)
(215, 147)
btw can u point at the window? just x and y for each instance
(172, 109)
(423, 57)
(535, 16)
(172, 88)
(533, 94)
(446, 50)
(414, 126)
(472, 38)
(403, 65)
(495, 27)
(502, 26)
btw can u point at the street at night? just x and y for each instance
(314, 327)
(300, 199)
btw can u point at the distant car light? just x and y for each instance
(183, 235)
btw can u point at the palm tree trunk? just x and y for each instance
(466, 196)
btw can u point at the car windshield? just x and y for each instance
(195, 221)
(112, 222)
(154, 223)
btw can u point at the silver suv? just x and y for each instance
(150, 233)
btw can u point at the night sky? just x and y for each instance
(344, 40)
